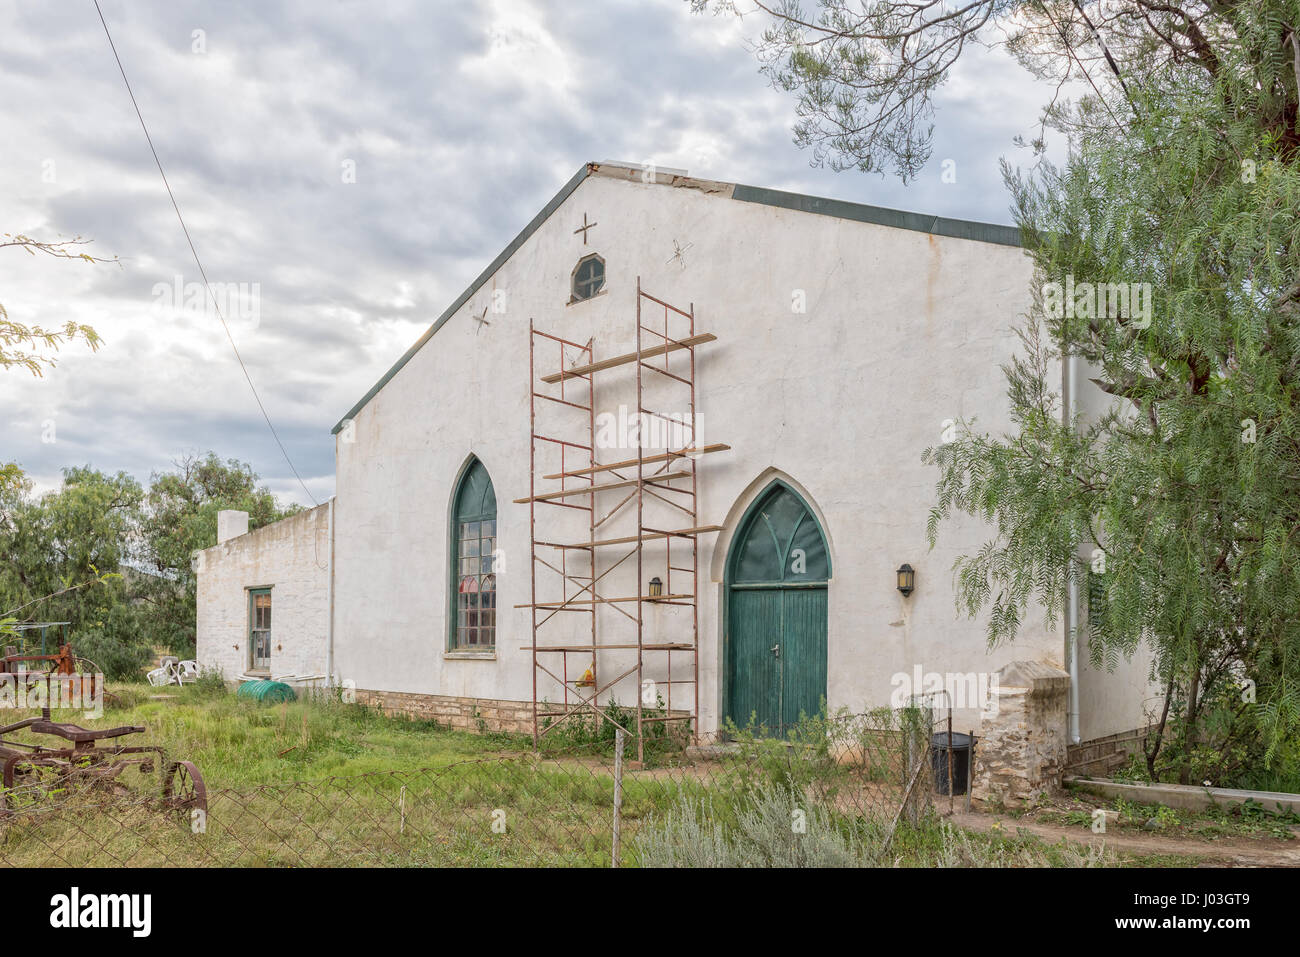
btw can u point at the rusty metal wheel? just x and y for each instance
(35, 781)
(183, 791)
(9, 772)
(20, 770)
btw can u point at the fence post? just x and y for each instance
(618, 795)
(970, 769)
(909, 802)
(950, 790)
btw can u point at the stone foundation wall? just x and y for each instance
(1101, 756)
(469, 714)
(466, 714)
(1021, 750)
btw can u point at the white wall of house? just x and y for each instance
(1123, 697)
(291, 557)
(903, 330)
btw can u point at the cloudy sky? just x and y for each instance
(460, 120)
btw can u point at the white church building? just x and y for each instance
(666, 450)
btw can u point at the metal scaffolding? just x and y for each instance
(665, 480)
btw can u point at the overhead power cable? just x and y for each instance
(202, 272)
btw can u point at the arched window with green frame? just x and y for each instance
(473, 545)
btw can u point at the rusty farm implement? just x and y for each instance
(54, 762)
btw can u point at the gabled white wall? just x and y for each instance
(903, 330)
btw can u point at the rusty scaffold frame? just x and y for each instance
(670, 476)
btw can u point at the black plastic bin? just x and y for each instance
(961, 745)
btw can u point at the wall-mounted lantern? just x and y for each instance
(656, 587)
(906, 578)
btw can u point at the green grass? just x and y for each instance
(321, 783)
(1240, 820)
(236, 742)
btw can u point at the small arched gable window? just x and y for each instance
(474, 540)
(588, 277)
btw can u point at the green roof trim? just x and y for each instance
(859, 212)
(840, 209)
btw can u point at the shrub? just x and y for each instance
(211, 683)
(115, 655)
(773, 828)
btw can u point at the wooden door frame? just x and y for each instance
(251, 592)
(728, 582)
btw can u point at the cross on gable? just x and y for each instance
(679, 253)
(583, 228)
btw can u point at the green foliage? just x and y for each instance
(113, 642)
(773, 802)
(1282, 773)
(590, 731)
(1247, 818)
(1166, 817)
(32, 347)
(1182, 178)
(761, 831)
(11, 477)
(808, 754)
(179, 519)
(114, 559)
(1183, 493)
(210, 683)
(429, 795)
(1134, 771)
(775, 827)
(864, 73)
(61, 556)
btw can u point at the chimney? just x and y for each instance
(231, 524)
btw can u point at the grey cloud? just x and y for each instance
(453, 158)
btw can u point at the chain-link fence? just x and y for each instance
(833, 791)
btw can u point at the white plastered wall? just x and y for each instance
(903, 330)
(291, 557)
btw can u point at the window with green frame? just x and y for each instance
(259, 629)
(588, 277)
(473, 545)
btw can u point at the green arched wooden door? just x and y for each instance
(776, 613)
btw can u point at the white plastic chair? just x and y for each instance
(168, 672)
(187, 671)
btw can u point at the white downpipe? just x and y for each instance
(329, 647)
(1072, 604)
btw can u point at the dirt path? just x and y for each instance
(1223, 851)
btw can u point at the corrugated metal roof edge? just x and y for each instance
(899, 219)
(841, 209)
